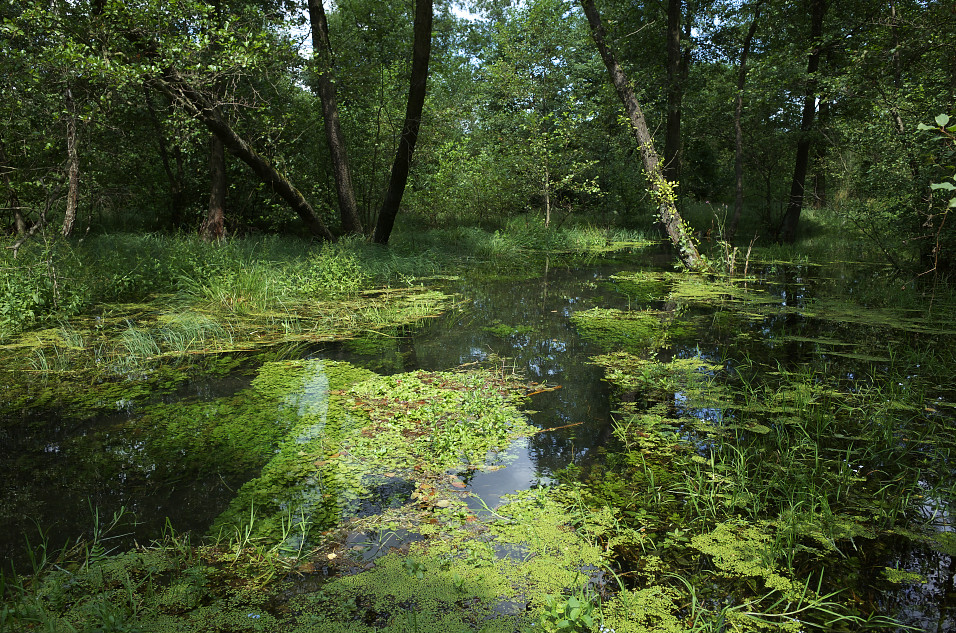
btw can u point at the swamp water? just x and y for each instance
(767, 437)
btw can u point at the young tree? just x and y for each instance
(322, 51)
(421, 52)
(788, 228)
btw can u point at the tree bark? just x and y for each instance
(738, 129)
(73, 166)
(661, 189)
(174, 86)
(421, 52)
(819, 158)
(348, 209)
(791, 218)
(213, 228)
(19, 222)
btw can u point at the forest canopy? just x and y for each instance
(215, 117)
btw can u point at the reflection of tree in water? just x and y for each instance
(531, 332)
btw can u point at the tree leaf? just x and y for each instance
(942, 120)
(948, 186)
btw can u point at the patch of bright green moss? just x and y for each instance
(351, 430)
(637, 332)
(642, 287)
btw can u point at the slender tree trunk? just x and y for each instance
(738, 130)
(174, 179)
(322, 51)
(73, 166)
(213, 228)
(791, 218)
(661, 188)
(819, 158)
(546, 189)
(674, 93)
(421, 51)
(19, 222)
(174, 86)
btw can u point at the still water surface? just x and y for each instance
(55, 470)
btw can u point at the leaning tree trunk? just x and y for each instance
(348, 208)
(791, 218)
(738, 130)
(214, 226)
(421, 51)
(73, 166)
(661, 189)
(174, 86)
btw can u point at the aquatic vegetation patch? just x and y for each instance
(634, 331)
(696, 289)
(520, 566)
(772, 483)
(641, 286)
(502, 330)
(354, 432)
(129, 341)
(691, 377)
(500, 575)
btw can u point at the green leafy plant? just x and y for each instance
(574, 613)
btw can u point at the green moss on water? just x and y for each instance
(641, 286)
(349, 426)
(637, 331)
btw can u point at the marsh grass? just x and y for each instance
(817, 476)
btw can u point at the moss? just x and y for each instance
(641, 286)
(349, 427)
(636, 332)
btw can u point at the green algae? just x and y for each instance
(641, 286)
(635, 331)
(353, 431)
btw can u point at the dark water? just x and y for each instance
(54, 469)
(57, 473)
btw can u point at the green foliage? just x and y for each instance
(567, 614)
(335, 272)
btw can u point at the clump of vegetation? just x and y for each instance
(356, 434)
(636, 331)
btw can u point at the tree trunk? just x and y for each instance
(73, 166)
(738, 130)
(674, 89)
(174, 86)
(546, 190)
(421, 51)
(213, 228)
(819, 158)
(322, 51)
(175, 180)
(19, 222)
(661, 189)
(791, 218)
